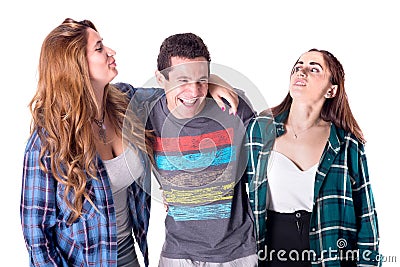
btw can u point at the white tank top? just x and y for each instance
(289, 188)
(123, 170)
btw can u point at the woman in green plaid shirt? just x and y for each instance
(308, 176)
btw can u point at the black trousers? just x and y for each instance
(287, 239)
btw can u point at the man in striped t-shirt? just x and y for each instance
(197, 152)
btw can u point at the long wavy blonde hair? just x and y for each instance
(64, 107)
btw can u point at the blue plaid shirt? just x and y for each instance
(343, 222)
(92, 239)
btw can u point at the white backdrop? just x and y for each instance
(261, 40)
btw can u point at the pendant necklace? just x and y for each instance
(298, 133)
(102, 128)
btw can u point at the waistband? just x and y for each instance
(294, 216)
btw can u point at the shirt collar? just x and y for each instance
(334, 140)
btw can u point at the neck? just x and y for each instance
(99, 95)
(303, 116)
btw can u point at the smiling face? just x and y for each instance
(186, 87)
(101, 62)
(310, 79)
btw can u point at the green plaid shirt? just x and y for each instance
(343, 222)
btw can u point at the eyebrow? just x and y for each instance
(187, 77)
(311, 63)
(183, 77)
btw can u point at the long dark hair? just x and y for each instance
(337, 109)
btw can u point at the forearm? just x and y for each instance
(38, 213)
(367, 220)
(215, 80)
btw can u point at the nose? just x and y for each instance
(301, 73)
(194, 88)
(110, 52)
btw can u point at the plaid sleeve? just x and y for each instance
(367, 222)
(253, 147)
(143, 101)
(38, 211)
(245, 110)
(261, 134)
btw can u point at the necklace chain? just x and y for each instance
(296, 135)
(102, 128)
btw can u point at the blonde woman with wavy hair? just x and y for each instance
(80, 201)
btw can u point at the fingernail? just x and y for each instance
(223, 108)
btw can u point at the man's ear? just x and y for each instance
(160, 79)
(331, 93)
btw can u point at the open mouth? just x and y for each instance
(300, 83)
(188, 102)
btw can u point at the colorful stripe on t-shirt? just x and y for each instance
(197, 174)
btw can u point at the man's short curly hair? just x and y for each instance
(185, 45)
